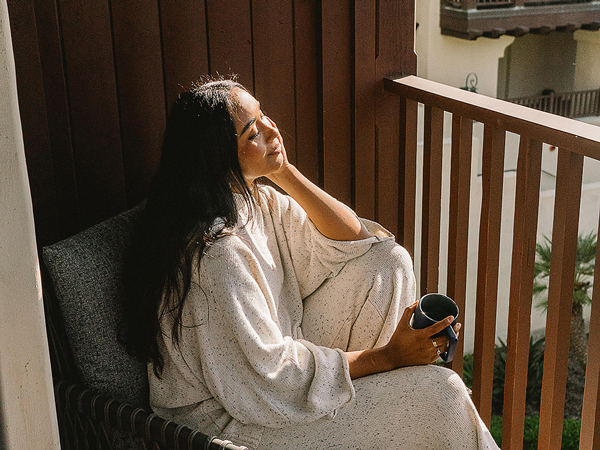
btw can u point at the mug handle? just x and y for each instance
(448, 355)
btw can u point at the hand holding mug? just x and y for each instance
(431, 309)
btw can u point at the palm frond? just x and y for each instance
(584, 268)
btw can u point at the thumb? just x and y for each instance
(439, 326)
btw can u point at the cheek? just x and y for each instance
(247, 158)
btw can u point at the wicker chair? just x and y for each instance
(101, 391)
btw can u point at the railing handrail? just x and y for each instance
(552, 94)
(579, 137)
(568, 104)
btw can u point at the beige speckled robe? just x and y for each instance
(270, 312)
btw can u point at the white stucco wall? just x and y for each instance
(449, 60)
(27, 411)
(537, 62)
(587, 63)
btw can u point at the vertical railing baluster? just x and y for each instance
(587, 102)
(458, 216)
(487, 271)
(590, 415)
(433, 141)
(409, 112)
(560, 297)
(529, 168)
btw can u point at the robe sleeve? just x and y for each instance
(314, 256)
(256, 373)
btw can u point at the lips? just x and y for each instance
(277, 149)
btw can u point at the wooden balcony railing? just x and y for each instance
(574, 140)
(568, 104)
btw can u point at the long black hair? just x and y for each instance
(192, 188)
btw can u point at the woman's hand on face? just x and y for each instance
(410, 347)
(285, 164)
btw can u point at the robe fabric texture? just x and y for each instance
(271, 309)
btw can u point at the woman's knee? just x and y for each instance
(386, 256)
(446, 383)
(432, 381)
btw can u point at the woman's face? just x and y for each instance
(260, 147)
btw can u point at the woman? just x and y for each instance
(278, 321)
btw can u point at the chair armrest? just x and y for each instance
(98, 417)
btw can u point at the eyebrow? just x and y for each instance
(248, 125)
(251, 121)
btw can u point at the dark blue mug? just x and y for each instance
(433, 308)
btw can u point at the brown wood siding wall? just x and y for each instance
(96, 79)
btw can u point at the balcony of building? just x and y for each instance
(567, 104)
(470, 19)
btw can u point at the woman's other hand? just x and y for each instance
(407, 347)
(410, 347)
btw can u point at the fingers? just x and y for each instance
(442, 342)
(272, 122)
(457, 328)
(408, 313)
(439, 326)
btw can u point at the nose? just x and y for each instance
(271, 127)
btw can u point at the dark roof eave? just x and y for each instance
(517, 21)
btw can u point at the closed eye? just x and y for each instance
(254, 136)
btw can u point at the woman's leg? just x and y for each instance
(419, 407)
(422, 407)
(360, 307)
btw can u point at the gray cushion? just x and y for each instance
(86, 273)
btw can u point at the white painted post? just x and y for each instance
(27, 411)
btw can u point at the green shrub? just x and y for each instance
(571, 429)
(570, 439)
(534, 375)
(468, 370)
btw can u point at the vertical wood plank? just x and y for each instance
(425, 186)
(395, 56)
(138, 59)
(365, 85)
(560, 297)
(590, 415)
(184, 44)
(59, 129)
(458, 228)
(487, 270)
(306, 63)
(33, 115)
(230, 39)
(529, 168)
(408, 147)
(337, 72)
(92, 94)
(432, 193)
(272, 31)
